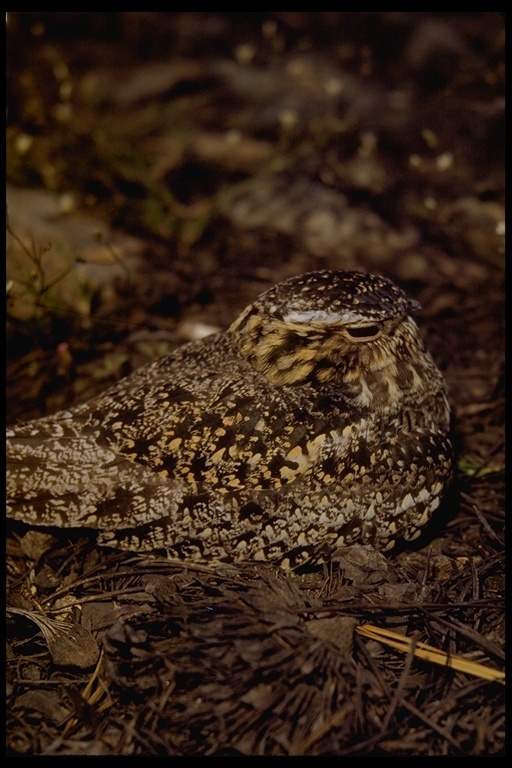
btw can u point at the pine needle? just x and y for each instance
(429, 653)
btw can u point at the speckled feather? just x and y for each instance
(317, 419)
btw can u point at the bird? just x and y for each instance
(318, 419)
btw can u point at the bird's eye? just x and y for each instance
(363, 331)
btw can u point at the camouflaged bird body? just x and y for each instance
(316, 420)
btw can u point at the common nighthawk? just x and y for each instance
(316, 420)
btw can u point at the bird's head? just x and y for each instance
(347, 329)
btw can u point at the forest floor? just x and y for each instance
(164, 169)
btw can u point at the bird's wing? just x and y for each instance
(228, 433)
(188, 424)
(58, 477)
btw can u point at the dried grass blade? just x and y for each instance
(429, 653)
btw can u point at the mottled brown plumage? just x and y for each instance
(317, 419)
